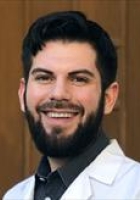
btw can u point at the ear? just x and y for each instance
(111, 95)
(21, 92)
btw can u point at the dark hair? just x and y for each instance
(71, 26)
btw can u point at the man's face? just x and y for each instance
(63, 100)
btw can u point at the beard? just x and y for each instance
(59, 147)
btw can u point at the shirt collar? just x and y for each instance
(43, 169)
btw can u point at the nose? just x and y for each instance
(60, 90)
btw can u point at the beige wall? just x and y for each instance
(122, 19)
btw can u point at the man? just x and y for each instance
(70, 65)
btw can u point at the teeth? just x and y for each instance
(59, 115)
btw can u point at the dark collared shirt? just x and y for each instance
(52, 185)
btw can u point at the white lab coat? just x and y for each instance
(111, 176)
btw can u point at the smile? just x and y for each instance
(60, 115)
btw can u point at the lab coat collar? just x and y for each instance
(79, 189)
(106, 166)
(104, 169)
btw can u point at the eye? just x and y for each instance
(43, 78)
(80, 80)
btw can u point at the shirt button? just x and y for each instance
(47, 198)
(42, 179)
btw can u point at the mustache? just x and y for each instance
(60, 104)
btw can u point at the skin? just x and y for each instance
(65, 71)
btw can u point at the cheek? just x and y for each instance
(34, 96)
(89, 100)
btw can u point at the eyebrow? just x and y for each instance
(82, 71)
(38, 69)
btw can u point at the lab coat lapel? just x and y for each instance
(103, 169)
(106, 166)
(79, 189)
(28, 192)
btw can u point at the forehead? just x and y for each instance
(64, 55)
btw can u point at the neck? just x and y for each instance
(56, 163)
